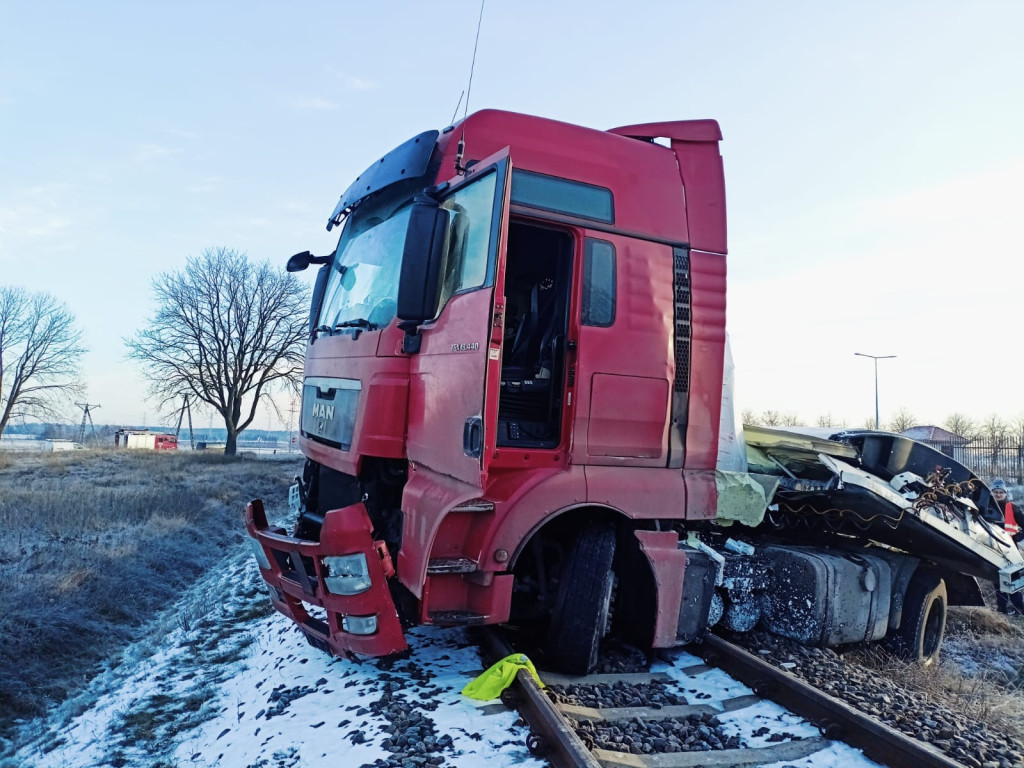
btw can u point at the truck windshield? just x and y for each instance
(362, 290)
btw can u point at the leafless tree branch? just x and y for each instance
(226, 333)
(40, 351)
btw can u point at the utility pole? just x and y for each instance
(86, 414)
(876, 358)
(291, 424)
(186, 408)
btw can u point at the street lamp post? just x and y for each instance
(876, 358)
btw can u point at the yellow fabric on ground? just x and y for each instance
(498, 677)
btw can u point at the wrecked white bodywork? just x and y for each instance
(836, 486)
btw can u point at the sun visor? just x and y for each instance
(406, 161)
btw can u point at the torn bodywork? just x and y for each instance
(860, 485)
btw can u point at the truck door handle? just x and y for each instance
(473, 437)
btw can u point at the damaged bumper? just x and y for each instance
(336, 589)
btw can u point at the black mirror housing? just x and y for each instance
(299, 262)
(318, 295)
(423, 262)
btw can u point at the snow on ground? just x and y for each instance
(975, 659)
(219, 690)
(754, 724)
(328, 719)
(219, 682)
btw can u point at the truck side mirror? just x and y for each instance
(318, 294)
(300, 261)
(423, 262)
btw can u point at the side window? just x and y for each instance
(469, 236)
(598, 306)
(550, 193)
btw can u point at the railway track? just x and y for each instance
(648, 720)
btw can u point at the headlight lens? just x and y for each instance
(347, 574)
(360, 625)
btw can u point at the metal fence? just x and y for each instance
(989, 460)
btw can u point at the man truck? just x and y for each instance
(517, 409)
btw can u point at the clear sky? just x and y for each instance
(873, 156)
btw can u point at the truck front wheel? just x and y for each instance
(923, 624)
(580, 616)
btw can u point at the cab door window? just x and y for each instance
(469, 236)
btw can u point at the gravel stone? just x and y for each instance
(620, 694)
(697, 733)
(957, 736)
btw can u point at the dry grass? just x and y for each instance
(981, 674)
(93, 544)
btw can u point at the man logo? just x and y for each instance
(323, 411)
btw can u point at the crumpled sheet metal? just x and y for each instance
(743, 497)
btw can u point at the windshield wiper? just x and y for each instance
(359, 322)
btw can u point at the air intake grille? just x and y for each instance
(681, 282)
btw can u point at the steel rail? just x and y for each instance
(561, 746)
(834, 718)
(555, 740)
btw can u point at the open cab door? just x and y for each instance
(456, 351)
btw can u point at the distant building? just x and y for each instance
(940, 439)
(934, 436)
(61, 445)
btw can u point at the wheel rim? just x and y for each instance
(932, 635)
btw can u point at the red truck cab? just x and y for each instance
(514, 411)
(512, 388)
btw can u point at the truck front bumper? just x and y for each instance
(301, 575)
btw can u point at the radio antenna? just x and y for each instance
(459, 167)
(456, 112)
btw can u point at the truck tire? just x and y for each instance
(580, 616)
(923, 624)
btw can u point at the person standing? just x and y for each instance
(1013, 524)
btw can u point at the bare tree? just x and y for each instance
(902, 420)
(226, 333)
(825, 420)
(998, 434)
(40, 349)
(995, 430)
(789, 420)
(749, 417)
(961, 426)
(771, 418)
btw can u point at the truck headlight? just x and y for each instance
(347, 575)
(261, 556)
(360, 625)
